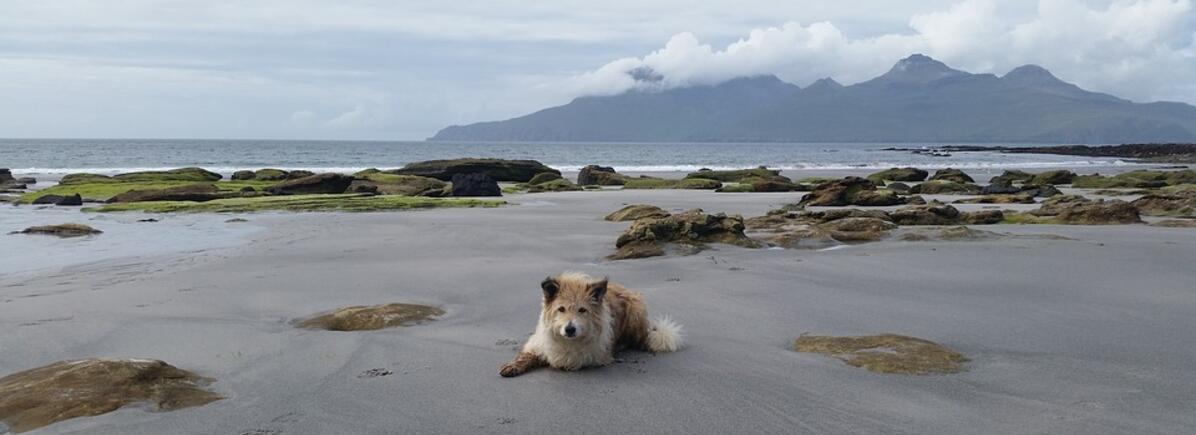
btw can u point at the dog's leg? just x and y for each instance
(523, 362)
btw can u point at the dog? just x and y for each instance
(583, 321)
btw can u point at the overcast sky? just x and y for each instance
(402, 69)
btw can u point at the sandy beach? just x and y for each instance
(1087, 335)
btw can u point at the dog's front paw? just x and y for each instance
(510, 370)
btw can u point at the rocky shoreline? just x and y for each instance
(1145, 153)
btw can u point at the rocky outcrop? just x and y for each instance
(1139, 179)
(371, 318)
(191, 192)
(1053, 177)
(1165, 205)
(1077, 210)
(405, 185)
(62, 230)
(886, 353)
(475, 184)
(691, 231)
(739, 175)
(497, 169)
(926, 215)
(319, 183)
(1011, 176)
(6, 176)
(950, 174)
(997, 199)
(944, 187)
(557, 185)
(850, 191)
(659, 183)
(61, 200)
(982, 217)
(544, 177)
(242, 175)
(635, 212)
(594, 175)
(198, 175)
(84, 388)
(898, 174)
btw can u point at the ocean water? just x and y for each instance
(54, 157)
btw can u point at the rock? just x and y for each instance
(68, 200)
(1053, 177)
(271, 175)
(1140, 179)
(407, 185)
(754, 184)
(886, 353)
(594, 175)
(191, 192)
(858, 229)
(243, 175)
(943, 187)
(898, 174)
(1077, 210)
(898, 187)
(950, 174)
(982, 217)
(557, 185)
(739, 175)
(26, 180)
(997, 199)
(475, 184)
(371, 318)
(1011, 176)
(926, 215)
(694, 229)
(198, 175)
(1161, 205)
(6, 176)
(320, 183)
(850, 191)
(1040, 190)
(915, 200)
(83, 388)
(1002, 187)
(949, 234)
(62, 230)
(355, 187)
(657, 183)
(497, 169)
(248, 189)
(299, 173)
(544, 177)
(636, 211)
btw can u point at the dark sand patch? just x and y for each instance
(82, 388)
(372, 317)
(886, 353)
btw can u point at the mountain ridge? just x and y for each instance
(918, 100)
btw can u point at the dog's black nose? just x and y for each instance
(570, 330)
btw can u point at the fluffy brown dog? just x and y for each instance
(583, 321)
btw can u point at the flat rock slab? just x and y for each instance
(886, 353)
(62, 230)
(372, 317)
(83, 388)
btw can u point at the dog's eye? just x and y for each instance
(560, 309)
(581, 310)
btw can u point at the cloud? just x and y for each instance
(1144, 50)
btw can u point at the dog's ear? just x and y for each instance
(550, 288)
(598, 289)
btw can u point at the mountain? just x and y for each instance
(918, 100)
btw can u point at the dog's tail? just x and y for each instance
(664, 335)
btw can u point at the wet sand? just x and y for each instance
(1091, 335)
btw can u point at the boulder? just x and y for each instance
(544, 177)
(1000, 187)
(1077, 210)
(1163, 205)
(320, 183)
(6, 176)
(594, 175)
(243, 175)
(738, 175)
(926, 215)
(1140, 179)
(557, 185)
(950, 174)
(944, 187)
(755, 184)
(898, 174)
(371, 318)
(850, 191)
(299, 173)
(858, 229)
(269, 174)
(898, 187)
(658, 183)
(83, 388)
(191, 192)
(1053, 177)
(406, 185)
(982, 217)
(62, 230)
(26, 180)
(497, 169)
(1040, 190)
(68, 200)
(475, 184)
(636, 211)
(692, 230)
(1011, 176)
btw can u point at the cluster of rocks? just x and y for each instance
(793, 227)
(760, 179)
(1078, 210)
(270, 175)
(851, 191)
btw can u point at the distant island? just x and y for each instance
(919, 100)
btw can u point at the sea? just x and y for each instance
(51, 158)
